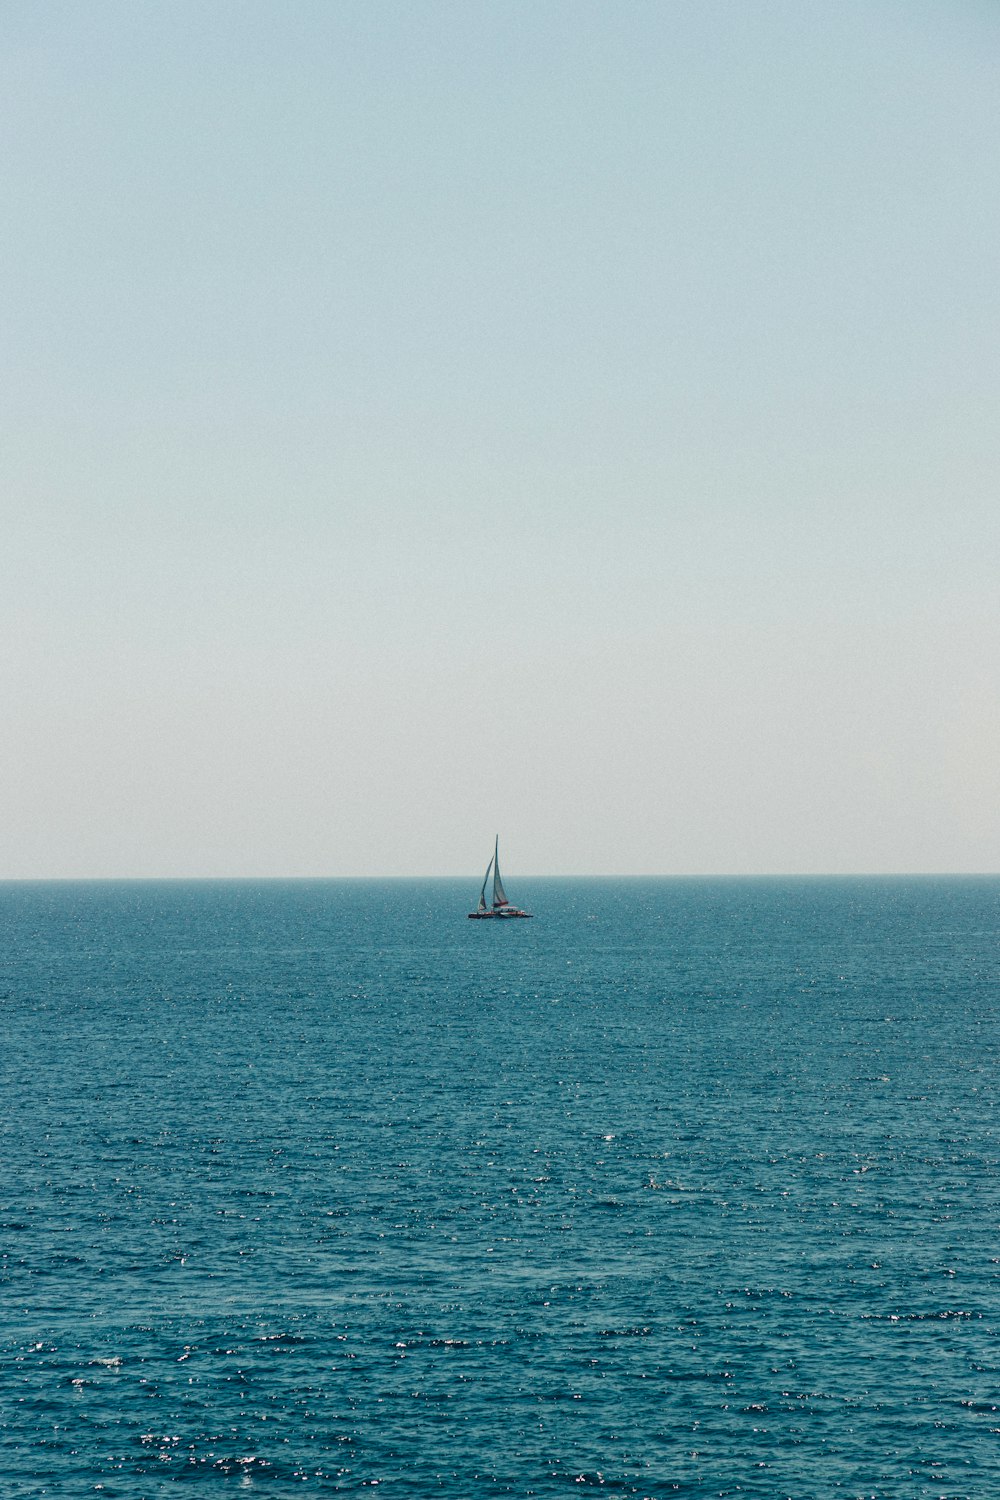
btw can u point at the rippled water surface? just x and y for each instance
(685, 1187)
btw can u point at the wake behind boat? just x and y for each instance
(501, 906)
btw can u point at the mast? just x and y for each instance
(499, 894)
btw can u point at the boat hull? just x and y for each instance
(505, 913)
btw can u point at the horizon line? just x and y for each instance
(589, 875)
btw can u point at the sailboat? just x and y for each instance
(501, 906)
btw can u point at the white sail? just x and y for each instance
(499, 894)
(482, 893)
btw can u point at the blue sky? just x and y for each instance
(572, 419)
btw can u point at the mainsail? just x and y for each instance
(499, 894)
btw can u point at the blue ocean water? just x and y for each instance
(683, 1188)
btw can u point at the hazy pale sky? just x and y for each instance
(574, 420)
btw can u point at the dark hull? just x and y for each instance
(510, 911)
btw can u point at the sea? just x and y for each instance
(683, 1188)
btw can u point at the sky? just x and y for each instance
(570, 419)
